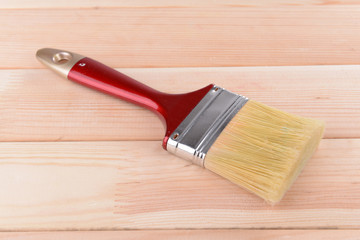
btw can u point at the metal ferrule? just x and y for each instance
(59, 61)
(198, 131)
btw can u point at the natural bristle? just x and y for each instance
(264, 149)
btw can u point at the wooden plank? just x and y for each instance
(37, 105)
(173, 36)
(187, 234)
(137, 185)
(4, 4)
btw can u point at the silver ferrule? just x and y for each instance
(198, 131)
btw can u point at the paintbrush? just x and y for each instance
(255, 146)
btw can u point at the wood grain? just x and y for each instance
(137, 185)
(188, 235)
(165, 3)
(92, 184)
(37, 105)
(167, 35)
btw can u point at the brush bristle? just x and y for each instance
(264, 149)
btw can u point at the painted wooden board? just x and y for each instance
(168, 35)
(37, 105)
(137, 185)
(188, 235)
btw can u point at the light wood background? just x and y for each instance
(75, 163)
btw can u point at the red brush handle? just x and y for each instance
(171, 108)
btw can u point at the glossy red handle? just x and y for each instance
(171, 108)
(101, 77)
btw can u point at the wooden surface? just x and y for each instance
(136, 185)
(75, 159)
(204, 34)
(189, 235)
(56, 109)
